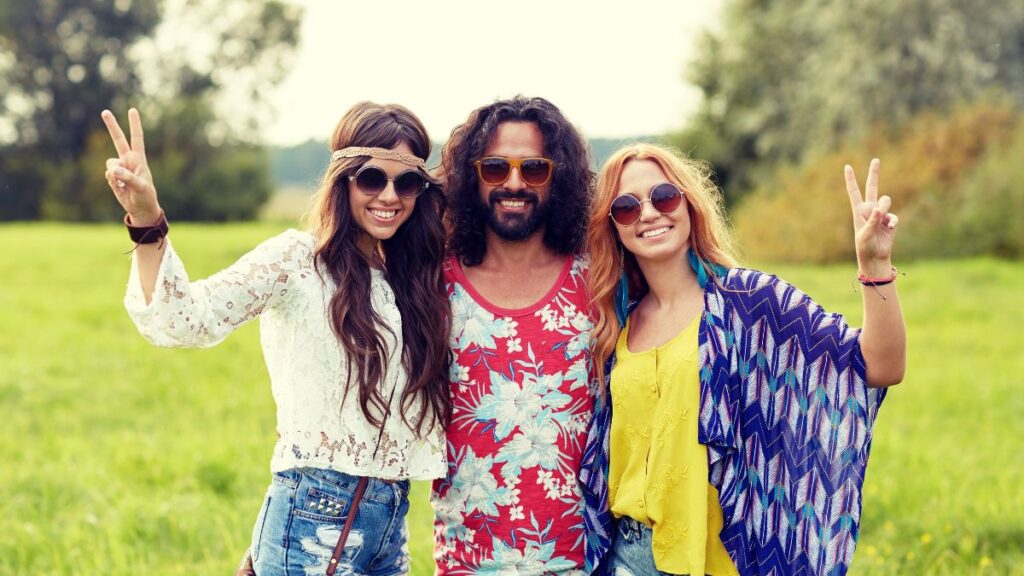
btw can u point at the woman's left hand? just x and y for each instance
(874, 227)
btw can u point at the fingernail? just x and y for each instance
(119, 171)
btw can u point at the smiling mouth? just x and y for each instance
(383, 214)
(512, 203)
(655, 232)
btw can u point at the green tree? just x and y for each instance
(62, 61)
(792, 77)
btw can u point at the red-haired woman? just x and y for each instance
(740, 411)
(354, 325)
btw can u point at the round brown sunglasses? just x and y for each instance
(626, 208)
(371, 180)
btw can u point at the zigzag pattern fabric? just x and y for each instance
(787, 418)
(593, 478)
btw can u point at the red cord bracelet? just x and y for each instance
(868, 281)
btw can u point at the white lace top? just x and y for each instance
(317, 426)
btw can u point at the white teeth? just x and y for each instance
(384, 214)
(655, 232)
(513, 203)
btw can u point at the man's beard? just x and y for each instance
(515, 227)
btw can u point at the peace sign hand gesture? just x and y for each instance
(874, 226)
(128, 175)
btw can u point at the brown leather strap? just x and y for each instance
(356, 498)
(245, 566)
(147, 234)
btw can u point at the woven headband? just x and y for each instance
(381, 153)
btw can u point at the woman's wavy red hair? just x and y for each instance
(709, 234)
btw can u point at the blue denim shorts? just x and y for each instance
(302, 517)
(632, 550)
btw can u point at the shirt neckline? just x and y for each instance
(660, 348)
(460, 277)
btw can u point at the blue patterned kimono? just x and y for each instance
(786, 416)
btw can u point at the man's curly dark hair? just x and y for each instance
(571, 183)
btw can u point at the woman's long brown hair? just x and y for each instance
(412, 261)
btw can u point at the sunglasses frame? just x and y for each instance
(640, 202)
(516, 163)
(353, 177)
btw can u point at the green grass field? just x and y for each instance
(120, 458)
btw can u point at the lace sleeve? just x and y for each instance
(202, 313)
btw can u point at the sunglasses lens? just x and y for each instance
(535, 171)
(625, 210)
(494, 171)
(666, 198)
(409, 183)
(371, 180)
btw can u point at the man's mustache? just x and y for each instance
(499, 195)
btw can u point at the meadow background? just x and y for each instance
(120, 458)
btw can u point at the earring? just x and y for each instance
(622, 292)
(701, 268)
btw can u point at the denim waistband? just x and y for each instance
(382, 491)
(632, 529)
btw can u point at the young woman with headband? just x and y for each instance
(354, 326)
(740, 413)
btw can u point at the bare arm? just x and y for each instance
(883, 340)
(129, 178)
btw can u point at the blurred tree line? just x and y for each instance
(793, 89)
(178, 61)
(302, 165)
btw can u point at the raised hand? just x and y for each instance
(874, 227)
(128, 175)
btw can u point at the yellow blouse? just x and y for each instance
(658, 472)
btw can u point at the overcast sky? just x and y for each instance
(614, 67)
